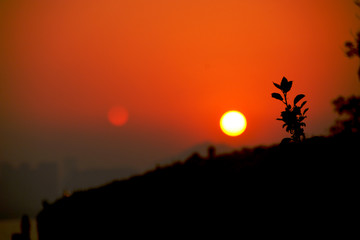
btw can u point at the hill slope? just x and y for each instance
(220, 194)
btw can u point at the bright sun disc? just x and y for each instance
(233, 123)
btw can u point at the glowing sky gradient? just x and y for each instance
(175, 66)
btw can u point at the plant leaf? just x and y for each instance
(285, 85)
(349, 44)
(277, 96)
(280, 119)
(284, 81)
(277, 85)
(298, 98)
(288, 87)
(304, 102)
(305, 111)
(301, 118)
(288, 129)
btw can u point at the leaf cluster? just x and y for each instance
(293, 115)
(353, 48)
(349, 110)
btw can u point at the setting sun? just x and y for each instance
(233, 123)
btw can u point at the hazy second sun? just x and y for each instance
(233, 123)
(118, 116)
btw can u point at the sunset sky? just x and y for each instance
(174, 66)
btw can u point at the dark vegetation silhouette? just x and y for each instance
(349, 110)
(293, 116)
(294, 187)
(353, 48)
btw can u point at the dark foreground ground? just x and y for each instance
(305, 189)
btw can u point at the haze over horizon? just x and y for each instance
(175, 66)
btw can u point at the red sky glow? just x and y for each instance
(175, 66)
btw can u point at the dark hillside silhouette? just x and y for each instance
(293, 186)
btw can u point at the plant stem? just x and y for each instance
(285, 99)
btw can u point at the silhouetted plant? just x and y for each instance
(292, 116)
(350, 108)
(353, 48)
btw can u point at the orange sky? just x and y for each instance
(176, 66)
